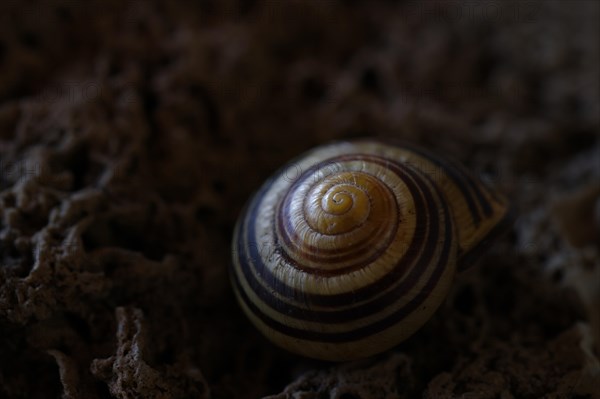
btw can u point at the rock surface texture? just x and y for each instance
(133, 132)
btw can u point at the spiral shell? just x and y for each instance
(350, 249)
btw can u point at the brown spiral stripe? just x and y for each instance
(364, 250)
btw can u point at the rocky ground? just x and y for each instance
(132, 133)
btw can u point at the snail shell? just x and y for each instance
(350, 248)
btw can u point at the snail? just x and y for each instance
(350, 248)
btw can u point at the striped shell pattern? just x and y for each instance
(349, 249)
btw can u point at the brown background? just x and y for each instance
(132, 133)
